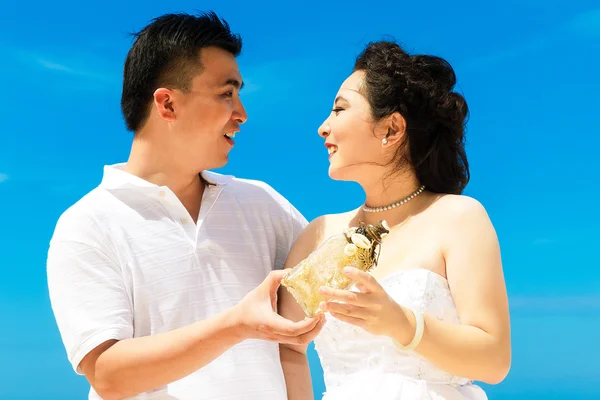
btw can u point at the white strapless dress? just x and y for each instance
(360, 365)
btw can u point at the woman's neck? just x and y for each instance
(383, 192)
(387, 192)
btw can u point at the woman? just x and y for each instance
(432, 317)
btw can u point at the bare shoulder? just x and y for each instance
(458, 207)
(327, 225)
(459, 204)
(331, 224)
(316, 232)
(462, 218)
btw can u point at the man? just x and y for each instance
(163, 279)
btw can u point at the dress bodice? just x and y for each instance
(357, 363)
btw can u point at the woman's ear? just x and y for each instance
(395, 128)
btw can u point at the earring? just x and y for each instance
(384, 141)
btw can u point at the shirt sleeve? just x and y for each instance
(297, 225)
(292, 226)
(288, 223)
(88, 296)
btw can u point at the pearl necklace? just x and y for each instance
(396, 204)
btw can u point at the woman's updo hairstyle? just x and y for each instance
(420, 88)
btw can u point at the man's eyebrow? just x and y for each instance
(233, 82)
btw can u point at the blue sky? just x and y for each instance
(528, 69)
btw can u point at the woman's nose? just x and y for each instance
(324, 129)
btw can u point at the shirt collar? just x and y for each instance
(115, 177)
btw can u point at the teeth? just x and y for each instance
(230, 134)
(331, 149)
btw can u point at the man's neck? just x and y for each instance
(153, 164)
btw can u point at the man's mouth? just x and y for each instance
(332, 149)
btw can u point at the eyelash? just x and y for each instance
(337, 110)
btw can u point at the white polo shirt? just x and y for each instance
(127, 261)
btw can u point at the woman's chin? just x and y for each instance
(338, 174)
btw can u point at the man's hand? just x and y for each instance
(257, 316)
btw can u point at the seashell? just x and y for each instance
(350, 249)
(385, 225)
(361, 241)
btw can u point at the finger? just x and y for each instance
(349, 320)
(273, 280)
(362, 288)
(347, 296)
(308, 336)
(345, 309)
(305, 338)
(276, 324)
(365, 279)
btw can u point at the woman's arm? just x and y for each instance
(480, 347)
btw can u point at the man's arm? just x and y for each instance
(119, 369)
(293, 356)
(94, 316)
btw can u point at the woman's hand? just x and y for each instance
(371, 309)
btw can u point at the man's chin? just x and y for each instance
(217, 163)
(223, 162)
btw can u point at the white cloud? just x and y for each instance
(587, 23)
(287, 74)
(523, 47)
(81, 71)
(57, 67)
(74, 64)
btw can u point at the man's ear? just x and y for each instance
(164, 102)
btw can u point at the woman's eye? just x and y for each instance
(337, 110)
